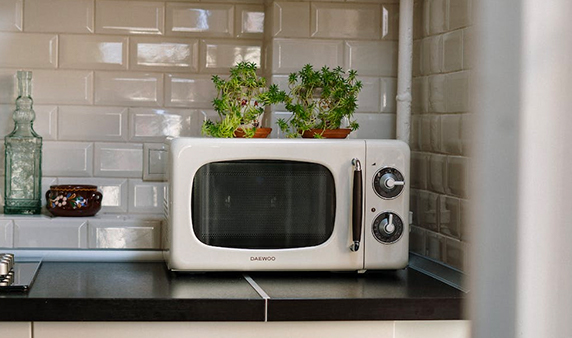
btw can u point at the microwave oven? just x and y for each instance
(286, 204)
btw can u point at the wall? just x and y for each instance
(112, 78)
(440, 134)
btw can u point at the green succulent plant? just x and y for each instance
(320, 99)
(240, 101)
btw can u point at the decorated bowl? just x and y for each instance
(75, 200)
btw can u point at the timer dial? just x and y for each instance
(388, 183)
(387, 227)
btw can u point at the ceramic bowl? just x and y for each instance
(75, 200)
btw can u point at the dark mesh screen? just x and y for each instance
(263, 204)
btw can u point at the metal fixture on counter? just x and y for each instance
(17, 275)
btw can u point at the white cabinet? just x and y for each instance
(16, 329)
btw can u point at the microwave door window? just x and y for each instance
(263, 204)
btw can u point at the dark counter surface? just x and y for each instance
(149, 292)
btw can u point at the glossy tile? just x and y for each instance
(56, 233)
(154, 161)
(145, 197)
(204, 20)
(451, 134)
(435, 132)
(374, 58)
(455, 253)
(129, 89)
(219, 55)
(44, 47)
(6, 233)
(92, 123)
(417, 240)
(9, 85)
(437, 173)
(417, 65)
(437, 94)
(291, 19)
(468, 50)
(59, 16)
(46, 122)
(118, 160)
(93, 52)
(11, 15)
(414, 137)
(419, 170)
(425, 133)
(460, 13)
(438, 16)
(62, 87)
(369, 98)
(339, 20)
(249, 21)
(291, 55)
(67, 159)
(189, 90)
(420, 94)
(457, 92)
(432, 53)
(162, 54)
(389, 22)
(427, 209)
(114, 190)
(458, 176)
(450, 217)
(124, 234)
(153, 125)
(453, 51)
(374, 126)
(388, 96)
(129, 17)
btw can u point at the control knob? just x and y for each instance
(387, 227)
(388, 183)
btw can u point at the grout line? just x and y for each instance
(260, 292)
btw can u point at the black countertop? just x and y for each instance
(149, 292)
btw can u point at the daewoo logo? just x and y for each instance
(263, 258)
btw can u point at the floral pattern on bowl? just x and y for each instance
(73, 200)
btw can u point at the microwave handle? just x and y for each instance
(357, 206)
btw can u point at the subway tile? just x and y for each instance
(426, 11)
(460, 13)
(372, 58)
(92, 123)
(46, 122)
(454, 253)
(457, 92)
(102, 52)
(466, 222)
(204, 20)
(425, 133)
(438, 94)
(458, 176)
(164, 54)
(11, 15)
(417, 59)
(417, 240)
(450, 217)
(388, 95)
(432, 328)
(249, 21)
(59, 16)
(374, 126)
(353, 21)
(420, 94)
(133, 89)
(438, 18)
(8, 86)
(435, 133)
(114, 190)
(419, 170)
(129, 17)
(220, 55)
(467, 129)
(291, 55)
(6, 122)
(62, 87)
(415, 133)
(451, 134)
(44, 47)
(437, 173)
(291, 19)
(468, 50)
(56, 233)
(389, 22)
(413, 206)
(154, 161)
(6, 233)
(124, 234)
(146, 197)
(189, 90)
(153, 125)
(118, 160)
(434, 246)
(369, 98)
(432, 54)
(67, 159)
(453, 51)
(418, 19)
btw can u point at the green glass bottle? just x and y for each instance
(23, 160)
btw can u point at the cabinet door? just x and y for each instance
(16, 329)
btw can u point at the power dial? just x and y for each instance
(388, 183)
(387, 227)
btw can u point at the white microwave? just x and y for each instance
(286, 204)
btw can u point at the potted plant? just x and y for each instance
(320, 102)
(240, 103)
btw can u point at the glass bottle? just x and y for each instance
(23, 157)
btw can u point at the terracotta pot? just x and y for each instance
(260, 133)
(327, 133)
(73, 200)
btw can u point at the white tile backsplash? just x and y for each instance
(145, 197)
(249, 21)
(118, 160)
(290, 55)
(154, 161)
(124, 234)
(291, 19)
(114, 190)
(67, 159)
(129, 17)
(217, 56)
(92, 123)
(50, 233)
(189, 90)
(59, 16)
(206, 20)
(62, 86)
(11, 15)
(152, 53)
(46, 122)
(378, 58)
(93, 52)
(6, 233)
(153, 125)
(44, 49)
(341, 20)
(128, 89)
